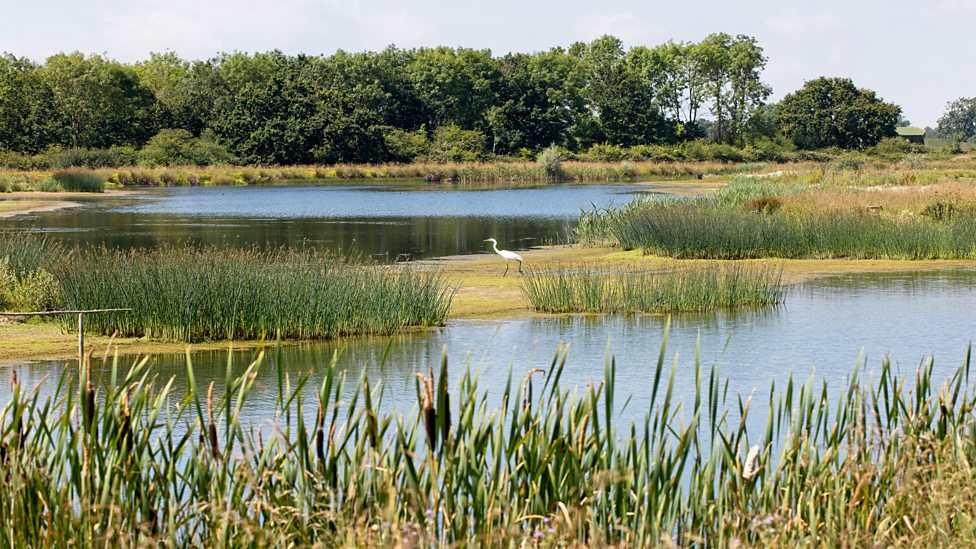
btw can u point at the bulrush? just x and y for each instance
(885, 462)
(212, 426)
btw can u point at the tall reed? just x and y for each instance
(127, 461)
(79, 181)
(27, 252)
(191, 293)
(671, 289)
(705, 229)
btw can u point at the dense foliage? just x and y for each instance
(833, 112)
(439, 104)
(959, 120)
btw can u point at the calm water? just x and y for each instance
(821, 330)
(380, 220)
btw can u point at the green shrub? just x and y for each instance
(79, 181)
(114, 157)
(15, 161)
(452, 144)
(895, 147)
(178, 147)
(404, 146)
(30, 291)
(849, 162)
(551, 162)
(604, 152)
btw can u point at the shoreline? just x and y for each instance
(482, 293)
(27, 202)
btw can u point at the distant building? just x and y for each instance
(913, 135)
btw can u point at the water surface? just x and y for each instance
(821, 331)
(384, 221)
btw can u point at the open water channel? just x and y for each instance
(824, 327)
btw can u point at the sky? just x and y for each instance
(915, 53)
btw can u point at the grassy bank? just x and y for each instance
(700, 287)
(203, 293)
(509, 171)
(130, 462)
(191, 294)
(703, 229)
(74, 180)
(882, 212)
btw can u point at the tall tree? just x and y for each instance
(732, 71)
(674, 70)
(620, 100)
(99, 102)
(273, 119)
(959, 119)
(539, 101)
(26, 107)
(833, 112)
(457, 86)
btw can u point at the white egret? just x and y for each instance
(505, 254)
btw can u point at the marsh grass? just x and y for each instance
(500, 171)
(79, 181)
(678, 288)
(194, 293)
(27, 252)
(128, 461)
(700, 229)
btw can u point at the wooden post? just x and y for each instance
(81, 338)
(81, 322)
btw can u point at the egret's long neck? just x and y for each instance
(495, 246)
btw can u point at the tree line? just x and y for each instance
(433, 103)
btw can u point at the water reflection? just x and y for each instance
(821, 330)
(383, 221)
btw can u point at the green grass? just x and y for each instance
(674, 289)
(79, 181)
(26, 252)
(129, 461)
(706, 229)
(191, 294)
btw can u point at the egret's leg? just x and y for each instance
(506, 268)
(520, 267)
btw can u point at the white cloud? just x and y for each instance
(627, 26)
(398, 27)
(796, 24)
(201, 28)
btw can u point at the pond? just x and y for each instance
(382, 220)
(821, 330)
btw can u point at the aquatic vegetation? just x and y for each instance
(196, 293)
(129, 460)
(702, 229)
(26, 252)
(790, 215)
(79, 181)
(699, 287)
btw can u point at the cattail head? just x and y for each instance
(751, 466)
(320, 435)
(430, 416)
(212, 428)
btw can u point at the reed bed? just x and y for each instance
(128, 461)
(502, 171)
(677, 288)
(79, 181)
(709, 230)
(192, 294)
(27, 252)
